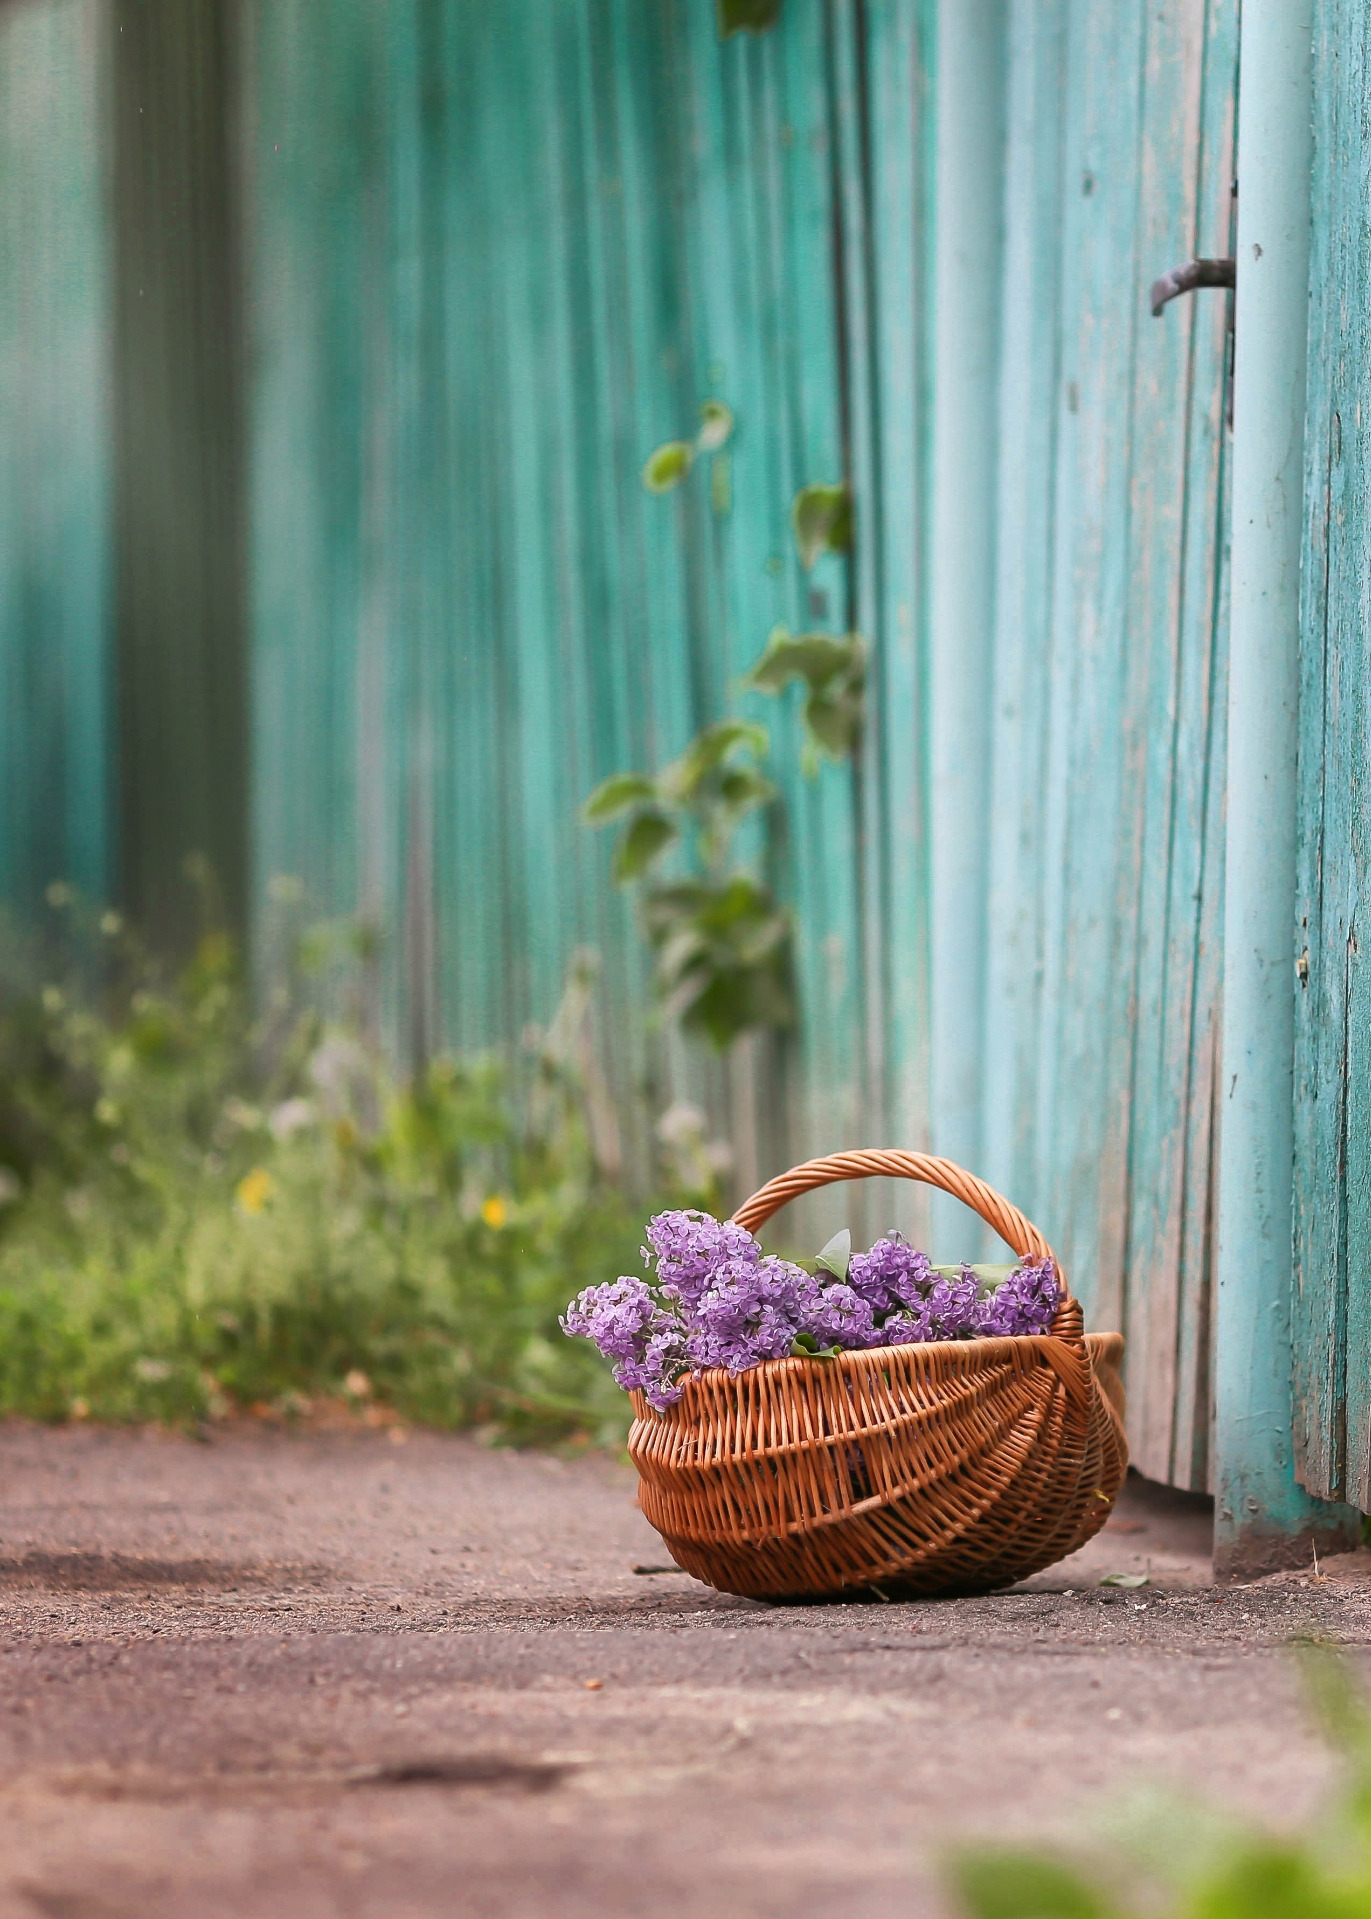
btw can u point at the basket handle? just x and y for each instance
(996, 1211)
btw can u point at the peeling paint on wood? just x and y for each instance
(1332, 1224)
(1107, 807)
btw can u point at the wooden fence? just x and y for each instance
(486, 271)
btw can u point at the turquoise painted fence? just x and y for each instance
(1105, 886)
(494, 270)
(1332, 994)
(487, 272)
(55, 763)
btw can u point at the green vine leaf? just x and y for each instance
(822, 519)
(615, 796)
(815, 658)
(747, 16)
(716, 427)
(832, 668)
(721, 945)
(648, 835)
(723, 956)
(668, 466)
(743, 789)
(682, 780)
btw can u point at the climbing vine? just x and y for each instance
(721, 944)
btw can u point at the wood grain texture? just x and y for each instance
(1106, 849)
(1332, 1299)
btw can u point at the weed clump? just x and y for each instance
(203, 1211)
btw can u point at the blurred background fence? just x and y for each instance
(334, 338)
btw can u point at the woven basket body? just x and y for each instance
(952, 1466)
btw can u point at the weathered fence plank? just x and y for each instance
(1332, 1230)
(1106, 858)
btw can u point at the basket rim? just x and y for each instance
(923, 1353)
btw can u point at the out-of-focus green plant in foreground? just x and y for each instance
(201, 1212)
(1198, 1866)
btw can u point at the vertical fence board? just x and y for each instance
(1107, 746)
(1332, 1301)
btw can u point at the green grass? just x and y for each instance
(204, 1212)
(1166, 1857)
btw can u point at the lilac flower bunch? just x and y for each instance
(715, 1299)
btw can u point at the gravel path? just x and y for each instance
(343, 1675)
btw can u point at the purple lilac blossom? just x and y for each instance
(751, 1311)
(1026, 1302)
(628, 1325)
(951, 1309)
(715, 1300)
(690, 1247)
(660, 1373)
(839, 1316)
(618, 1316)
(892, 1277)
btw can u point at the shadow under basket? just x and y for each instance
(952, 1466)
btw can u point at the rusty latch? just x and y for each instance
(1184, 279)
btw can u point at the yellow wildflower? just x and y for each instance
(255, 1189)
(495, 1212)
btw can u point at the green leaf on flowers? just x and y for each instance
(836, 1256)
(805, 1346)
(990, 1278)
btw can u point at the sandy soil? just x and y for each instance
(341, 1675)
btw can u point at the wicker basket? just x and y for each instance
(954, 1466)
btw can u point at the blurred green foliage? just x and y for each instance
(721, 944)
(832, 670)
(201, 1210)
(747, 16)
(1169, 1857)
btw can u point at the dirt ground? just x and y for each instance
(346, 1675)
